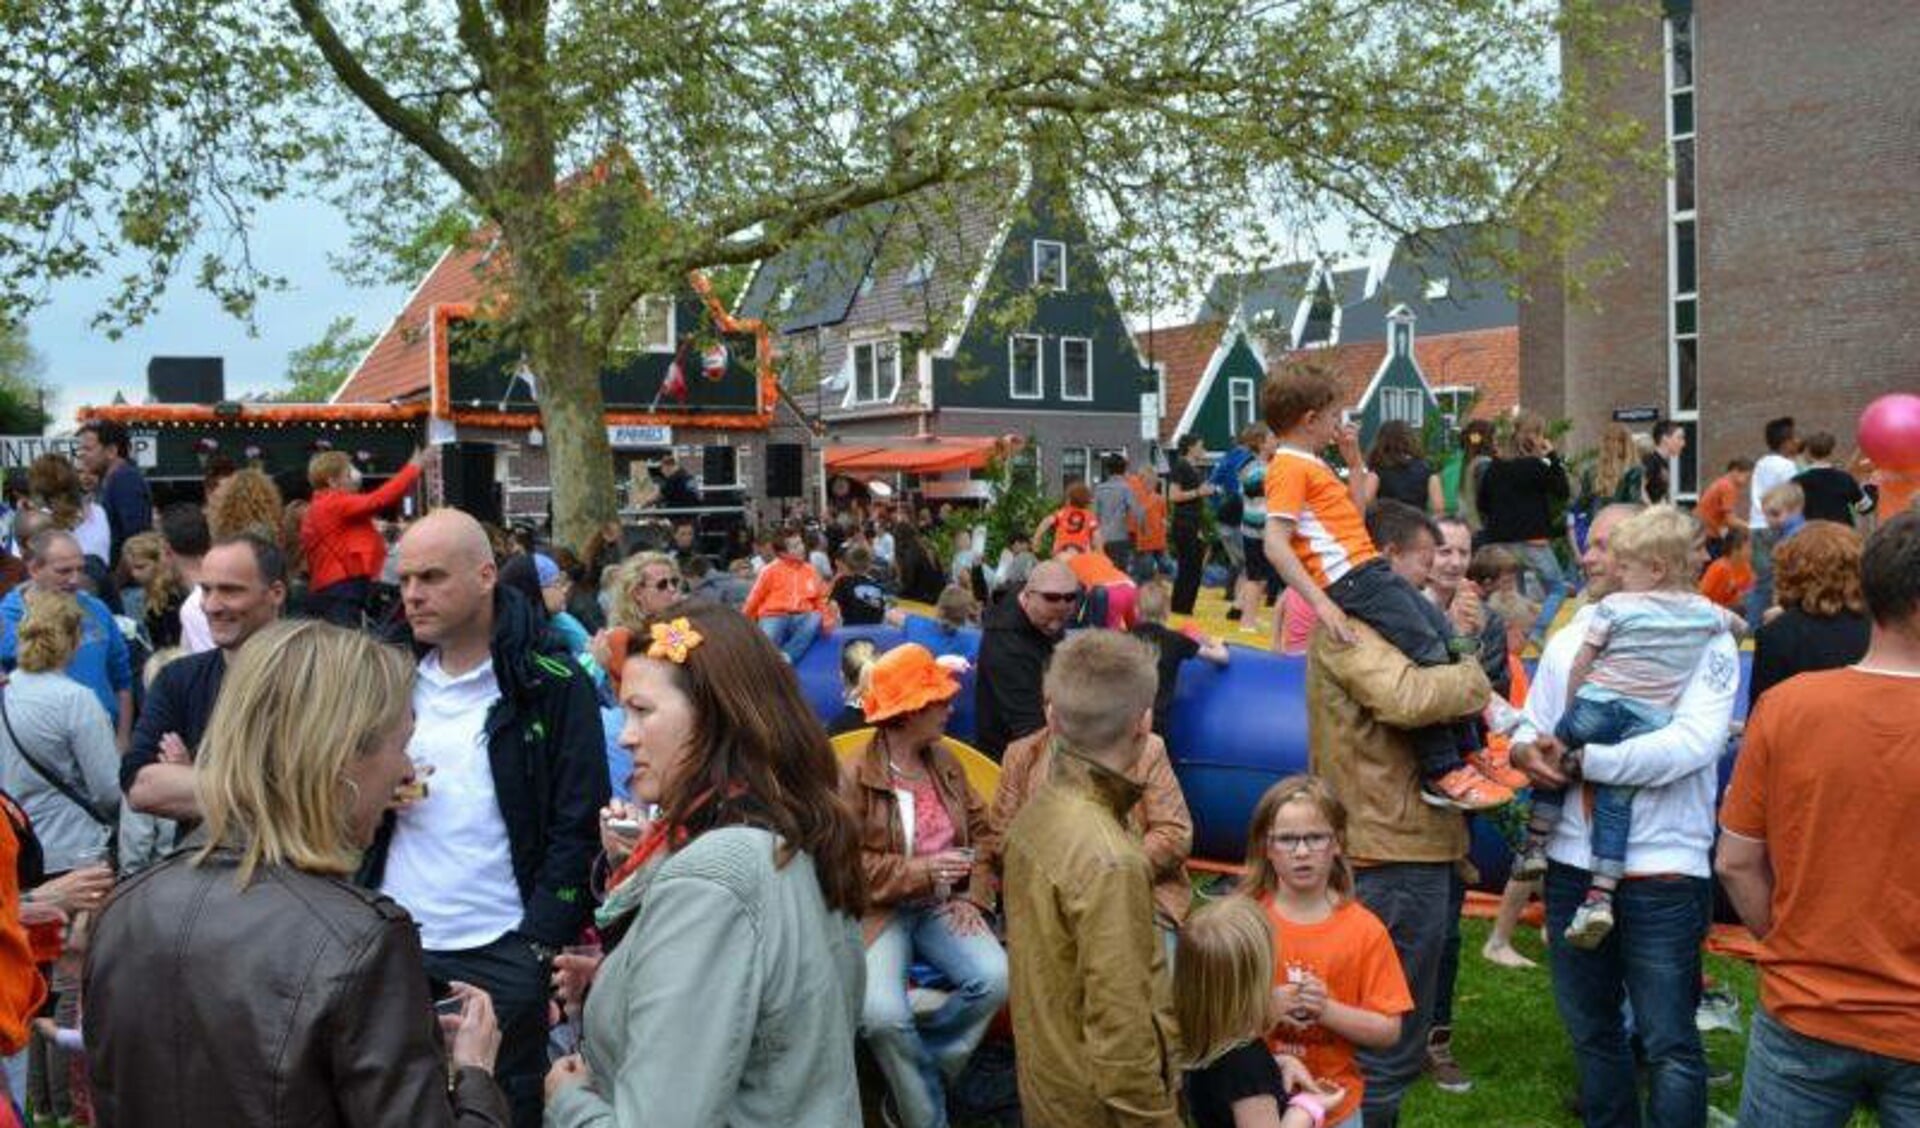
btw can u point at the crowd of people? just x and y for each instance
(419, 821)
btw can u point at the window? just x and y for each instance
(1404, 404)
(1683, 174)
(1683, 337)
(1049, 265)
(1023, 468)
(1023, 368)
(1239, 405)
(1076, 368)
(1073, 466)
(1438, 288)
(1685, 261)
(921, 272)
(647, 327)
(1100, 461)
(1455, 401)
(720, 468)
(876, 371)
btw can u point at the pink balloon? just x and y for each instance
(1890, 432)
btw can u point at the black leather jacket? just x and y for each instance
(299, 1000)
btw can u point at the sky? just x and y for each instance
(293, 239)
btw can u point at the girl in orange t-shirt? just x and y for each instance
(1072, 524)
(1337, 981)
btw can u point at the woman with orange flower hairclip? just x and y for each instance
(733, 983)
(929, 892)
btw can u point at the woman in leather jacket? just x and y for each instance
(247, 981)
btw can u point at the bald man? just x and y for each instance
(493, 864)
(1017, 639)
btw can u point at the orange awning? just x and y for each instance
(929, 456)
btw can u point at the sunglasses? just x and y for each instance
(665, 585)
(1058, 596)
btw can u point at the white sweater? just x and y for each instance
(1675, 768)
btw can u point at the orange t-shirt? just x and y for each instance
(1727, 582)
(1897, 492)
(1072, 527)
(1150, 533)
(1353, 955)
(1096, 569)
(1833, 789)
(1329, 535)
(1717, 503)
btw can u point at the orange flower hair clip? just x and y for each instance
(673, 641)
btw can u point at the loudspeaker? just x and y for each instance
(467, 471)
(187, 379)
(786, 470)
(718, 469)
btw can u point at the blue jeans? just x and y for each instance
(919, 1058)
(1651, 958)
(1411, 899)
(792, 633)
(1540, 560)
(1415, 626)
(1794, 1081)
(1591, 721)
(1148, 565)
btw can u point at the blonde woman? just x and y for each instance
(60, 761)
(1223, 1000)
(150, 590)
(300, 990)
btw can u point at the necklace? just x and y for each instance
(894, 765)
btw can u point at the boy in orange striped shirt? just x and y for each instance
(1317, 540)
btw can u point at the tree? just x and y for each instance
(22, 389)
(606, 148)
(316, 371)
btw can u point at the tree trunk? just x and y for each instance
(579, 460)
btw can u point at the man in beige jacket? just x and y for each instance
(1092, 1006)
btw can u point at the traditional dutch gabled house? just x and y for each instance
(929, 334)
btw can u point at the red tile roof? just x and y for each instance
(400, 363)
(1184, 351)
(1486, 359)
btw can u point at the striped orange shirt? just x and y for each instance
(1329, 535)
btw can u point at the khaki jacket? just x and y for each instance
(892, 875)
(1092, 1005)
(1361, 699)
(1160, 819)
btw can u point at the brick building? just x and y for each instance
(1777, 269)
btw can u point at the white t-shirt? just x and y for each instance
(94, 533)
(196, 634)
(1772, 470)
(451, 864)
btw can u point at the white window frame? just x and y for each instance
(1457, 395)
(625, 343)
(738, 458)
(1438, 288)
(1039, 367)
(1088, 398)
(1086, 465)
(1240, 388)
(1682, 491)
(874, 345)
(1406, 405)
(1033, 451)
(1059, 281)
(1097, 463)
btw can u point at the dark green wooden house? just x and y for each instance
(1398, 389)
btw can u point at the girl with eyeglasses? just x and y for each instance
(1337, 981)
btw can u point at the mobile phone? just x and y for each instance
(627, 827)
(451, 1005)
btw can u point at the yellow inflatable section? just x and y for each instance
(983, 775)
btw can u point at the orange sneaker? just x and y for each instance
(1498, 768)
(1465, 789)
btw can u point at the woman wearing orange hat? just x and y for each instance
(928, 896)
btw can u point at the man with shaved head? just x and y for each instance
(1016, 640)
(494, 862)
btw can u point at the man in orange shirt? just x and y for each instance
(1806, 845)
(1150, 557)
(1723, 504)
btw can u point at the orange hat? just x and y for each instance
(906, 680)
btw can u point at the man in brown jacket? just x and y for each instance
(1092, 1006)
(1361, 700)
(1160, 818)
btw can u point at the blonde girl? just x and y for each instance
(1336, 977)
(1224, 1000)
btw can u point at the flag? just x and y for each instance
(675, 384)
(713, 362)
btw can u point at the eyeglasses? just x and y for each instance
(1058, 596)
(667, 584)
(1294, 843)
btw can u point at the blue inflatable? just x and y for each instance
(1235, 730)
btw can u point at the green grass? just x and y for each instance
(1508, 1038)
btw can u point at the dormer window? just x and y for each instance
(1049, 265)
(876, 371)
(648, 326)
(1439, 289)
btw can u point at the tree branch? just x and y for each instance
(376, 97)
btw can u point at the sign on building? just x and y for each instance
(635, 437)
(17, 452)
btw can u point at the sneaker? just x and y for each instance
(1447, 1075)
(1496, 767)
(925, 1002)
(1718, 1010)
(1591, 921)
(1531, 863)
(1466, 790)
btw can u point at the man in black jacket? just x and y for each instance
(493, 864)
(1016, 641)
